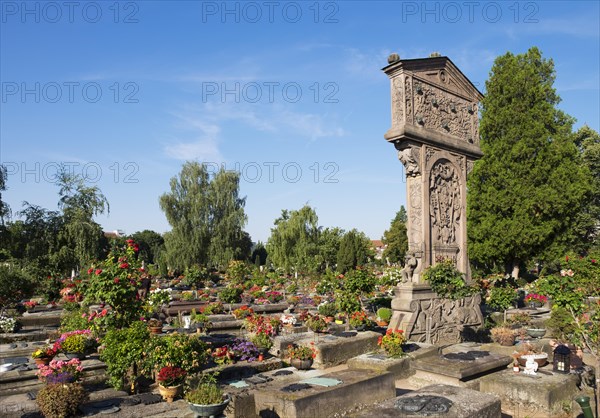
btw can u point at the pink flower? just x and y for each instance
(98, 271)
(116, 280)
(90, 270)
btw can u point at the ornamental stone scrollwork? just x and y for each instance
(397, 101)
(444, 112)
(415, 237)
(429, 153)
(410, 156)
(444, 203)
(408, 99)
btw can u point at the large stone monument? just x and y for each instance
(435, 130)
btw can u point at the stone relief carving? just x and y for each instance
(409, 267)
(469, 166)
(429, 153)
(443, 320)
(397, 101)
(444, 112)
(411, 159)
(415, 212)
(408, 98)
(444, 202)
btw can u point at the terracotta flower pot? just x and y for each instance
(301, 364)
(42, 361)
(155, 330)
(169, 392)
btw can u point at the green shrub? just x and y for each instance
(385, 314)
(561, 323)
(327, 309)
(237, 271)
(445, 280)
(15, 285)
(61, 400)
(73, 320)
(185, 351)
(347, 302)
(231, 295)
(501, 298)
(205, 394)
(122, 353)
(360, 280)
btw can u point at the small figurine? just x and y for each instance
(531, 366)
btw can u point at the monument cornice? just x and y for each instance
(401, 133)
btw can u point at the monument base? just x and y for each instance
(425, 317)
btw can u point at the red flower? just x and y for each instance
(90, 270)
(124, 265)
(567, 258)
(116, 280)
(98, 271)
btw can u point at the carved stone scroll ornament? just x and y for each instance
(445, 202)
(410, 157)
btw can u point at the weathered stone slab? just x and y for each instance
(462, 368)
(333, 350)
(401, 367)
(357, 387)
(466, 403)
(544, 392)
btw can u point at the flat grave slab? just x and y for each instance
(337, 349)
(305, 400)
(456, 368)
(442, 401)
(545, 392)
(400, 367)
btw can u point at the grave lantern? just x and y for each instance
(562, 359)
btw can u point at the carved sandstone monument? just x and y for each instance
(435, 130)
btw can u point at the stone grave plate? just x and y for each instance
(283, 373)
(466, 355)
(239, 384)
(295, 387)
(464, 369)
(377, 356)
(424, 405)
(322, 381)
(346, 334)
(258, 379)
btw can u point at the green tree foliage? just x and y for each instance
(80, 203)
(151, 244)
(294, 241)
(4, 208)
(329, 246)
(355, 250)
(396, 238)
(528, 187)
(207, 218)
(259, 252)
(14, 285)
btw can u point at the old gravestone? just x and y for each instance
(435, 130)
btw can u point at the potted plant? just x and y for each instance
(242, 312)
(43, 355)
(263, 342)
(392, 342)
(61, 400)
(223, 355)
(30, 305)
(155, 326)
(207, 399)
(301, 357)
(383, 316)
(527, 351)
(316, 323)
(327, 310)
(170, 379)
(200, 320)
(535, 300)
(340, 318)
(503, 335)
(360, 321)
(75, 344)
(288, 320)
(60, 371)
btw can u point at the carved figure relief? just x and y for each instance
(410, 158)
(415, 212)
(444, 112)
(409, 267)
(444, 202)
(397, 101)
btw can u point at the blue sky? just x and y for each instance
(290, 93)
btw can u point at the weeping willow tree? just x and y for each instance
(207, 218)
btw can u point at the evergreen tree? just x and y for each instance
(355, 250)
(396, 238)
(529, 186)
(329, 246)
(259, 252)
(151, 244)
(294, 241)
(207, 218)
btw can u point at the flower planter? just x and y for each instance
(301, 364)
(155, 330)
(205, 411)
(42, 361)
(169, 392)
(536, 332)
(360, 327)
(540, 359)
